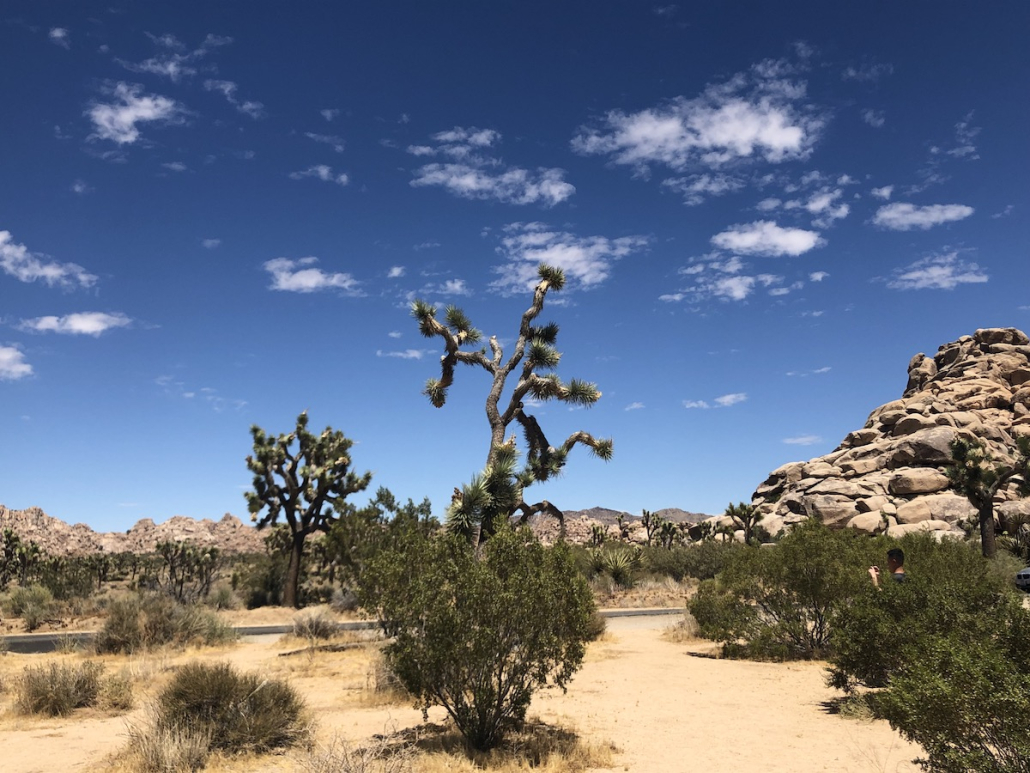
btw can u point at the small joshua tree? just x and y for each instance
(975, 475)
(652, 524)
(304, 477)
(745, 517)
(497, 494)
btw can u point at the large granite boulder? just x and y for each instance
(889, 475)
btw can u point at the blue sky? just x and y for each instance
(217, 214)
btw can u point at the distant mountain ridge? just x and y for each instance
(232, 535)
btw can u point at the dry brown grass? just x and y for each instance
(683, 631)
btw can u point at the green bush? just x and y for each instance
(57, 689)
(33, 604)
(315, 626)
(142, 622)
(478, 633)
(777, 602)
(239, 712)
(701, 560)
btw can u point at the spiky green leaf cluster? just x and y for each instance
(461, 326)
(540, 354)
(554, 276)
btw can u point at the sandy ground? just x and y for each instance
(664, 707)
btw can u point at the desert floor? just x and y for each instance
(663, 705)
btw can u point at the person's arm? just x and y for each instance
(874, 574)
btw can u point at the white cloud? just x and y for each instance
(817, 276)
(322, 172)
(80, 187)
(12, 364)
(755, 115)
(395, 334)
(725, 401)
(116, 121)
(59, 36)
(765, 238)
(395, 272)
(867, 72)
(586, 260)
(731, 399)
(228, 90)
(965, 134)
(696, 188)
(211, 244)
(1003, 213)
(175, 166)
(634, 407)
(426, 246)
(937, 272)
(823, 203)
(299, 276)
(337, 143)
(904, 217)
(883, 193)
(473, 173)
(329, 114)
(875, 118)
(91, 323)
(735, 288)
(803, 440)
(448, 287)
(171, 61)
(768, 205)
(406, 354)
(25, 266)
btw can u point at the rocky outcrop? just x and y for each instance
(579, 524)
(57, 538)
(889, 475)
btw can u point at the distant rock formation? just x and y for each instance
(57, 538)
(579, 524)
(889, 475)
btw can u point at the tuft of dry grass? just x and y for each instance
(177, 749)
(377, 757)
(382, 686)
(683, 632)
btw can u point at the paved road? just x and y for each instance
(619, 619)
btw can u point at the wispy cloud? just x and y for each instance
(175, 166)
(902, 216)
(12, 364)
(937, 272)
(332, 140)
(875, 118)
(406, 354)
(300, 276)
(207, 395)
(634, 407)
(228, 90)
(586, 260)
(767, 239)
(426, 246)
(696, 188)
(868, 73)
(817, 276)
(323, 173)
(80, 187)
(1004, 212)
(724, 401)
(25, 266)
(329, 114)
(717, 277)
(172, 60)
(883, 193)
(472, 172)
(804, 373)
(760, 114)
(803, 440)
(117, 120)
(90, 323)
(395, 272)
(210, 244)
(59, 36)
(447, 287)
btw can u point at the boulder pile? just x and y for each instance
(889, 475)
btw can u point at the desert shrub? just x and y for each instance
(618, 562)
(596, 626)
(57, 689)
(33, 604)
(949, 586)
(778, 602)
(222, 596)
(141, 622)
(67, 578)
(182, 749)
(965, 699)
(344, 601)
(239, 712)
(478, 632)
(315, 626)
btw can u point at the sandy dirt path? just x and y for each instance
(665, 709)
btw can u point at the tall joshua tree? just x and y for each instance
(305, 478)
(975, 475)
(497, 493)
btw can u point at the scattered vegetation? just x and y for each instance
(315, 626)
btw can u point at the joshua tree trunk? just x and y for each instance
(987, 543)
